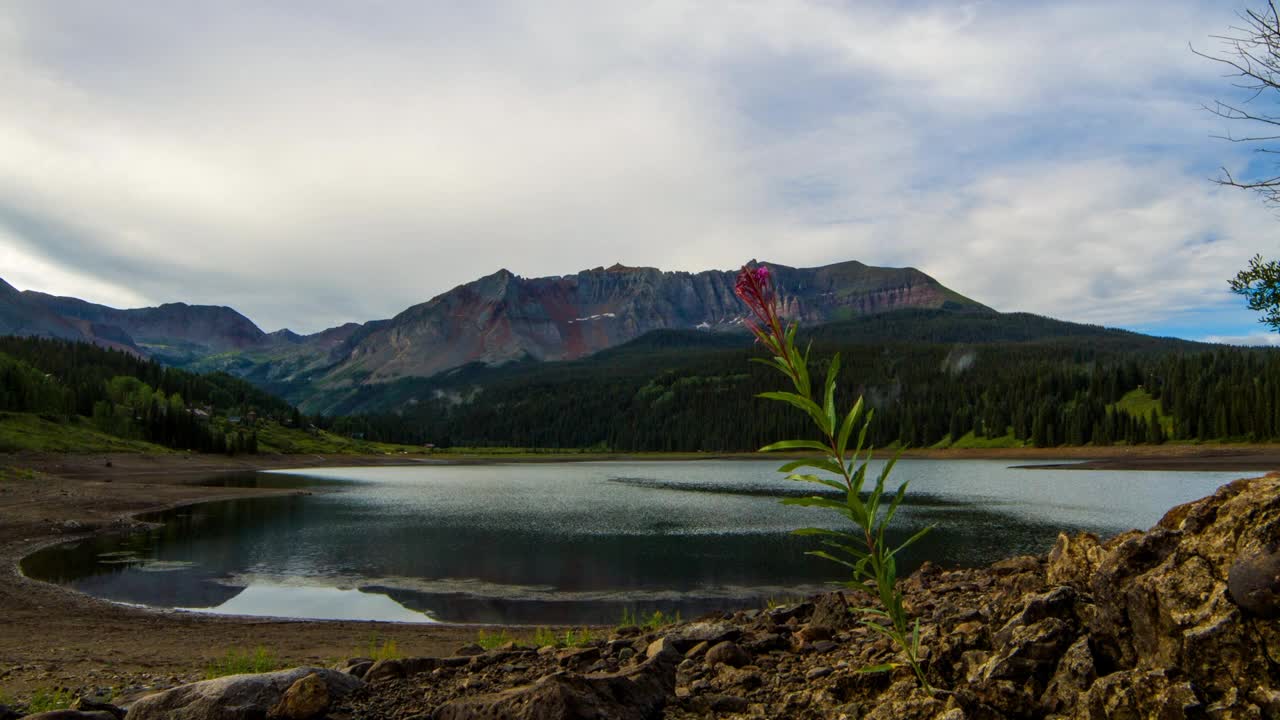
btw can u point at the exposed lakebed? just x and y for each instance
(569, 543)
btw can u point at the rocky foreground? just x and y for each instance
(1180, 621)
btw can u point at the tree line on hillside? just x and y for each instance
(1046, 394)
(131, 397)
(667, 397)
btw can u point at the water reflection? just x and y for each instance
(572, 543)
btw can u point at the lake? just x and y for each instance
(571, 543)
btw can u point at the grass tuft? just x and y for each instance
(46, 699)
(656, 620)
(240, 662)
(381, 649)
(489, 641)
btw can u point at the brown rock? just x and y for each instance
(698, 650)
(387, 669)
(1136, 694)
(637, 693)
(1072, 561)
(95, 704)
(831, 611)
(235, 697)
(306, 698)
(1253, 583)
(1075, 673)
(72, 715)
(727, 653)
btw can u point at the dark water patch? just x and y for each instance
(785, 489)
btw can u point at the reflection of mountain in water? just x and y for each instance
(314, 603)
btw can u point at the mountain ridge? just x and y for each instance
(493, 320)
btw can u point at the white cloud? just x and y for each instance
(316, 165)
(1256, 339)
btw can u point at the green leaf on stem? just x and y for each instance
(829, 393)
(833, 484)
(794, 445)
(801, 402)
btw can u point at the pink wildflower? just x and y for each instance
(754, 288)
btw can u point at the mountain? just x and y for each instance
(174, 333)
(503, 318)
(23, 315)
(495, 320)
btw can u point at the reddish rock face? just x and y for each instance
(503, 317)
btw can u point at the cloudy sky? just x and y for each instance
(311, 163)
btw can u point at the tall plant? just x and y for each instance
(866, 553)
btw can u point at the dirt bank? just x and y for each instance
(51, 637)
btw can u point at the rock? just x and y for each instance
(821, 647)
(637, 693)
(236, 697)
(765, 643)
(1162, 605)
(306, 698)
(1019, 564)
(1013, 680)
(698, 650)
(8, 713)
(661, 646)
(727, 703)
(813, 633)
(359, 669)
(1253, 583)
(830, 611)
(97, 704)
(904, 701)
(469, 649)
(72, 715)
(1072, 561)
(1135, 694)
(710, 632)
(1074, 675)
(577, 657)
(727, 653)
(816, 673)
(382, 670)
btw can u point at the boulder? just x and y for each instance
(89, 703)
(306, 698)
(831, 611)
(236, 697)
(727, 653)
(712, 632)
(1253, 582)
(637, 693)
(1073, 560)
(72, 715)
(1163, 608)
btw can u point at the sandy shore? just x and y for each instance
(52, 637)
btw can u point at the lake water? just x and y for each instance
(571, 543)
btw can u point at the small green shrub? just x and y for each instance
(543, 637)
(489, 641)
(381, 649)
(46, 699)
(240, 662)
(654, 621)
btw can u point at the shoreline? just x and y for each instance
(51, 636)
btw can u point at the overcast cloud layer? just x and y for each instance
(312, 163)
